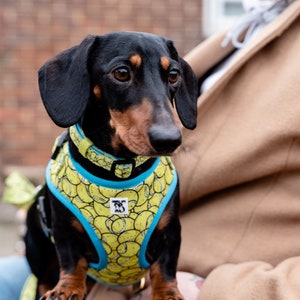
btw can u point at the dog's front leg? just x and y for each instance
(163, 288)
(70, 239)
(71, 284)
(163, 271)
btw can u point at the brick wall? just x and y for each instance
(31, 31)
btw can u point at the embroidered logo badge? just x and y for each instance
(119, 206)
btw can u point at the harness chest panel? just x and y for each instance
(119, 217)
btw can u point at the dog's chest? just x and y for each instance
(119, 217)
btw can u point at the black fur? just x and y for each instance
(67, 83)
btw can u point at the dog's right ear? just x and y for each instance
(65, 84)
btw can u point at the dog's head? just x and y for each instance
(136, 76)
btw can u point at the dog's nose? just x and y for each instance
(164, 139)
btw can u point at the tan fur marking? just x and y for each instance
(43, 288)
(163, 289)
(77, 225)
(175, 115)
(165, 62)
(132, 127)
(71, 284)
(135, 60)
(97, 92)
(164, 220)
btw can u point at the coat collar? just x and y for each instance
(213, 53)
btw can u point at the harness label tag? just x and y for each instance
(119, 206)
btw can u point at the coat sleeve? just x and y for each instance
(253, 280)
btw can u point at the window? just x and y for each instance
(220, 14)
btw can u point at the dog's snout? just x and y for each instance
(164, 139)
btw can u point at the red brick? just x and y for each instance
(33, 31)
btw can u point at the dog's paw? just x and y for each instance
(69, 287)
(63, 294)
(168, 295)
(166, 290)
(168, 298)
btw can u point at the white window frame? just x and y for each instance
(215, 18)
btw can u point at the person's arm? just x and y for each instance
(14, 271)
(207, 54)
(253, 280)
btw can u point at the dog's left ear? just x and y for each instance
(187, 93)
(65, 84)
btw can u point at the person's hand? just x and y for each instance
(188, 284)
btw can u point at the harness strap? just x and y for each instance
(43, 217)
(60, 140)
(120, 167)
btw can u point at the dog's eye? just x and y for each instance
(173, 76)
(122, 74)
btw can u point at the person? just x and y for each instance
(239, 170)
(14, 271)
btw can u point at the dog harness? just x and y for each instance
(119, 216)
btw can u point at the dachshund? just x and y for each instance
(109, 210)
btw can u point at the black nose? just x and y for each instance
(164, 139)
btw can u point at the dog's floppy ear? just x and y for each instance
(186, 96)
(187, 93)
(65, 84)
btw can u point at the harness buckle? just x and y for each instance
(42, 214)
(123, 168)
(58, 143)
(139, 286)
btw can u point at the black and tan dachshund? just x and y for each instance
(110, 205)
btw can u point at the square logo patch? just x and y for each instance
(119, 206)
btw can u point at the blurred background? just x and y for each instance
(32, 31)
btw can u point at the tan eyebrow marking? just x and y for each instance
(165, 62)
(135, 60)
(97, 91)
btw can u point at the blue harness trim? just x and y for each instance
(119, 186)
(142, 258)
(87, 226)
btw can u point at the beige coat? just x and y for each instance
(240, 169)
